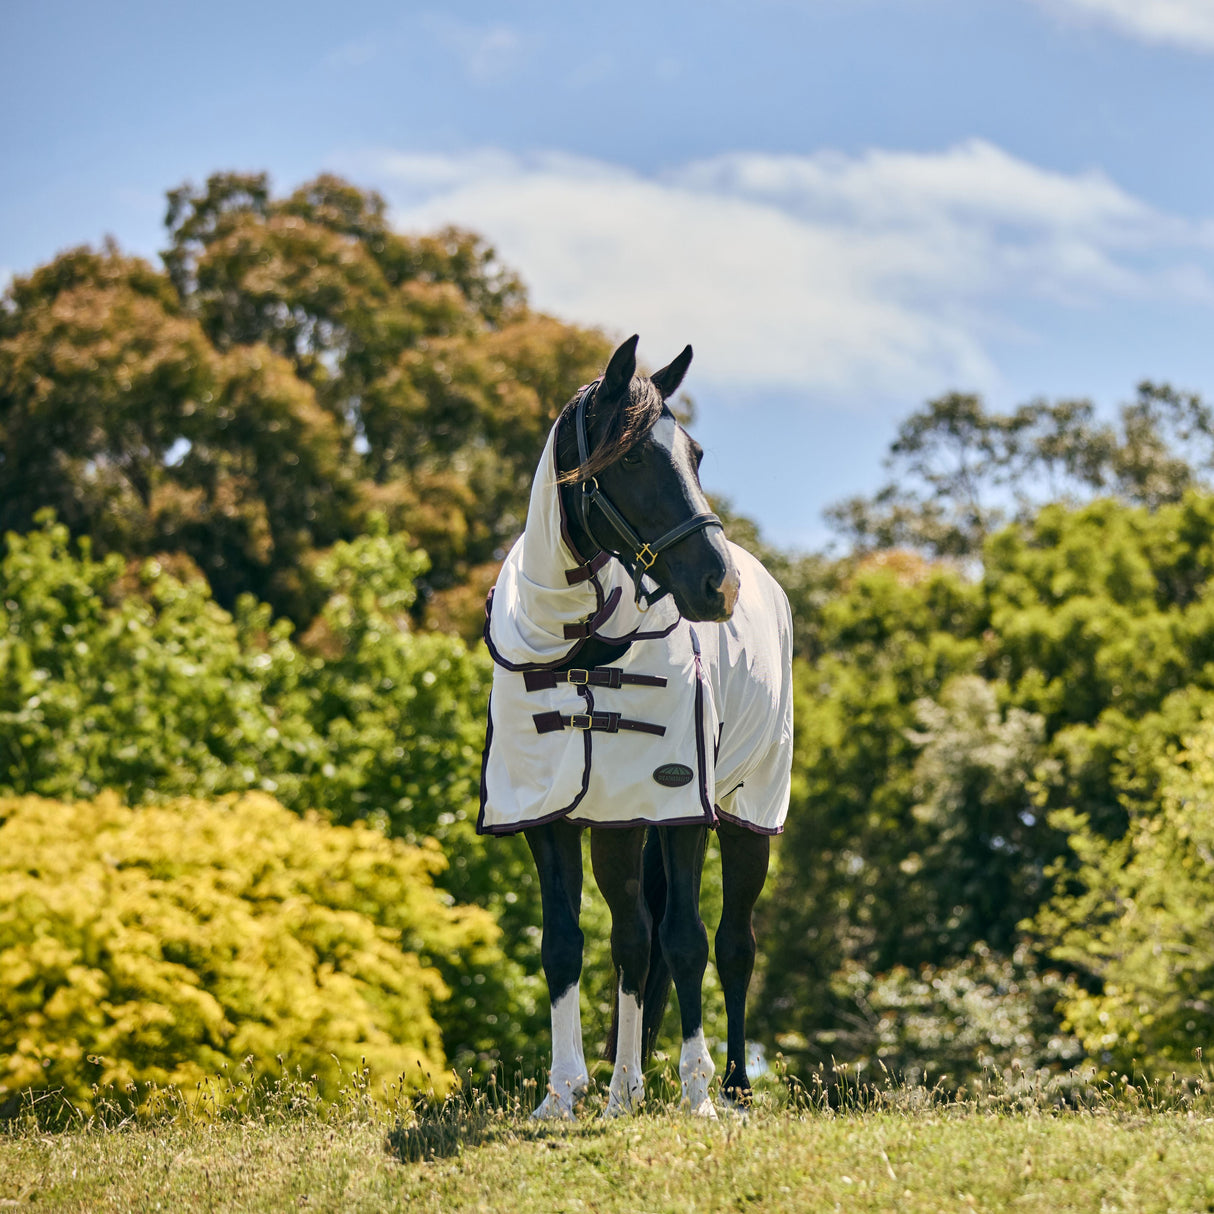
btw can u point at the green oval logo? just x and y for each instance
(673, 775)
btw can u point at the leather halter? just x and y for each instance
(644, 553)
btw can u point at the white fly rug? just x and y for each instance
(692, 722)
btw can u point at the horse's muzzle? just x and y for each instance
(717, 598)
(727, 591)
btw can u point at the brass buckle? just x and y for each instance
(646, 551)
(579, 678)
(582, 720)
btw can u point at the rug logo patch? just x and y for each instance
(673, 775)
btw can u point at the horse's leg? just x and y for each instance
(744, 858)
(557, 849)
(616, 857)
(685, 948)
(657, 985)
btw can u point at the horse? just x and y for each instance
(648, 721)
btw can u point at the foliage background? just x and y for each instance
(252, 501)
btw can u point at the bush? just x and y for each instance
(958, 1022)
(154, 945)
(1134, 917)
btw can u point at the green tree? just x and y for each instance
(849, 884)
(961, 471)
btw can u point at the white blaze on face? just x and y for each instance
(696, 1071)
(627, 1083)
(568, 1077)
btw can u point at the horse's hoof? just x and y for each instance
(559, 1104)
(705, 1109)
(619, 1104)
(553, 1108)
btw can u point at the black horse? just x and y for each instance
(619, 468)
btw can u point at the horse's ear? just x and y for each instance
(669, 377)
(620, 369)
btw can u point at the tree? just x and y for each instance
(296, 366)
(846, 885)
(962, 471)
(422, 348)
(116, 412)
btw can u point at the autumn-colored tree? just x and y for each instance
(296, 365)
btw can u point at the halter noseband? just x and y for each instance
(644, 553)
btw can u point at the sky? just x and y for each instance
(848, 207)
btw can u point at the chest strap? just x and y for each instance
(600, 676)
(600, 722)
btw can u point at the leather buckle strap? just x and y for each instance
(598, 722)
(581, 632)
(600, 676)
(583, 573)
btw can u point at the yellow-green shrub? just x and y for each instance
(156, 944)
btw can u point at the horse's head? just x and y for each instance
(638, 479)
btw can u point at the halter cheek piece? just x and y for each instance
(644, 553)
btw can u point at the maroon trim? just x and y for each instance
(560, 502)
(758, 830)
(701, 752)
(480, 817)
(595, 824)
(638, 635)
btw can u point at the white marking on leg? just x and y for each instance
(627, 1083)
(696, 1071)
(567, 1079)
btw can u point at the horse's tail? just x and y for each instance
(658, 983)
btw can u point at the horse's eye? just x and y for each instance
(632, 457)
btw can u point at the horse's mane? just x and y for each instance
(624, 423)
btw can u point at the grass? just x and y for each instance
(1009, 1143)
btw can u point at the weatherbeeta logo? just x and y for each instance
(672, 775)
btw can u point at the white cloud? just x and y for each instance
(885, 273)
(489, 54)
(1186, 23)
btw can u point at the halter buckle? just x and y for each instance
(646, 552)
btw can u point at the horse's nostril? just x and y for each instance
(724, 585)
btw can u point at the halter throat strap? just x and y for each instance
(643, 553)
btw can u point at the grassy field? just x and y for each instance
(1125, 1148)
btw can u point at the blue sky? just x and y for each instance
(847, 206)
